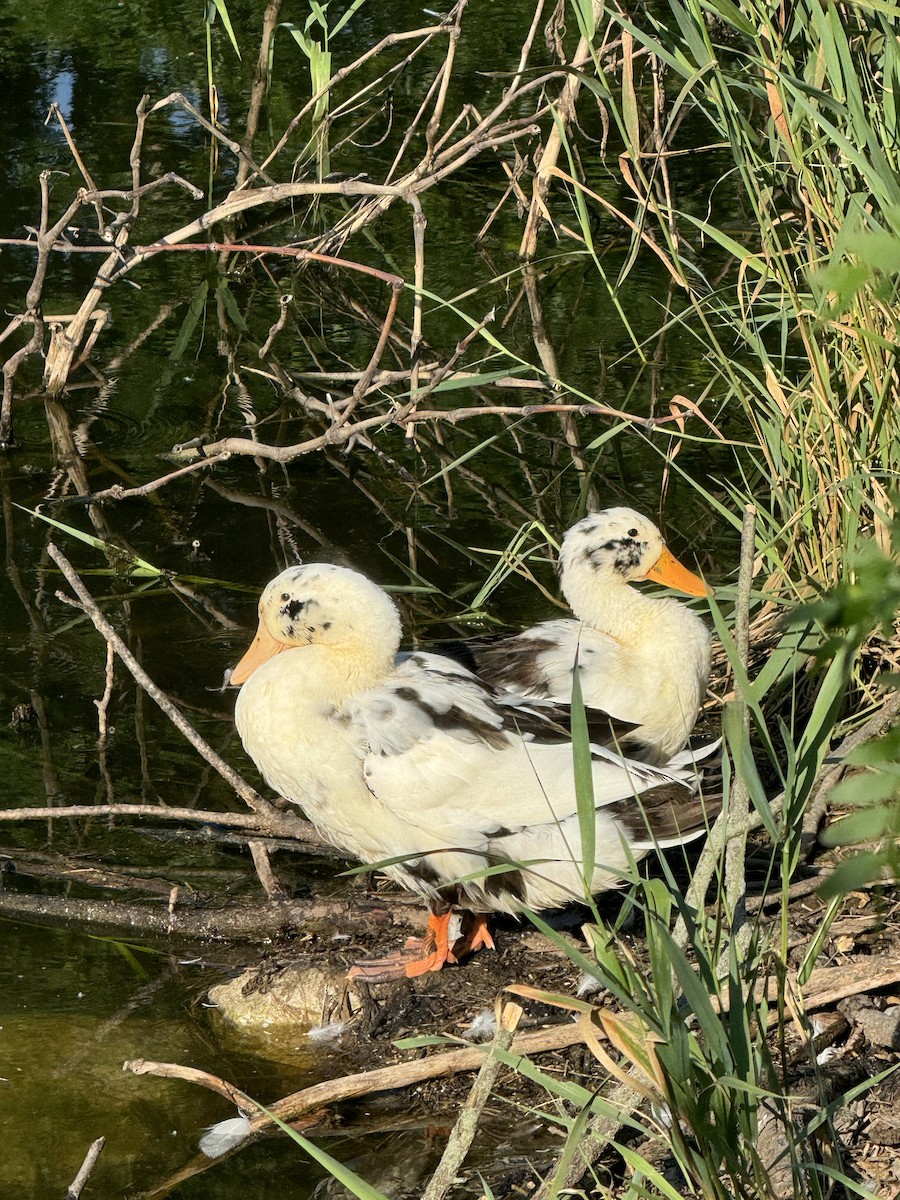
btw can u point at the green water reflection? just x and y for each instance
(74, 1008)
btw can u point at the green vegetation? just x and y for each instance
(696, 1023)
(804, 105)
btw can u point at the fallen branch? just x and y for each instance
(385, 1079)
(827, 985)
(191, 918)
(148, 880)
(271, 884)
(274, 823)
(74, 1190)
(117, 492)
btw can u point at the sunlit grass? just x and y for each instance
(695, 1022)
(314, 37)
(806, 108)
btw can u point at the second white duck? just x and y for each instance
(643, 659)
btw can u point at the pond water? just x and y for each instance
(74, 1005)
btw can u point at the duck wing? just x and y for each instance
(539, 661)
(442, 746)
(538, 710)
(627, 687)
(484, 784)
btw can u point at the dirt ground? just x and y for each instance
(857, 1039)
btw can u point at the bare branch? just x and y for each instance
(335, 1091)
(86, 603)
(190, 919)
(272, 824)
(75, 1188)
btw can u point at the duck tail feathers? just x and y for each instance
(693, 753)
(666, 816)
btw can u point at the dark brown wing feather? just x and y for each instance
(507, 669)
(669, 813)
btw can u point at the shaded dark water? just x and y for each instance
(73, 1006)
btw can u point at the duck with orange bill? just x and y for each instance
(466, 794)
(642, 659)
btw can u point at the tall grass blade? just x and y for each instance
(138, 567)
(582, 767)
(354, 1183)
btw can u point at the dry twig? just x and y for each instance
(348, 1087)
(86, 604)
(467, 1122)
(75, 1188)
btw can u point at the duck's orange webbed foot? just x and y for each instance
(418, 957)
(478, 935)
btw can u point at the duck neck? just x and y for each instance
(617, 609)
(335, 673)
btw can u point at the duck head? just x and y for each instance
(353, 624)
(619, 545)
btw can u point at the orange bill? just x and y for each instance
(668, 570)
(262, 648)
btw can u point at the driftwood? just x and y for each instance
(75, 1188)
(307, 1106)
(828, 985)
(289, 829)
(349, 1087)
(187, 918)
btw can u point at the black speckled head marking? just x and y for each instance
(295, 618)
(584, 528)
(293, 608)
(625, 552)
(617, 540)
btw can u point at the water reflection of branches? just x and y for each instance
(342, 408)
(447, 147)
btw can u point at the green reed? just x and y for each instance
(798, 308)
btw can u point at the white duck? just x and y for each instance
(643, 659)
(424, 760)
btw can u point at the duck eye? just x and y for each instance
(285, 595)
(632, 533)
